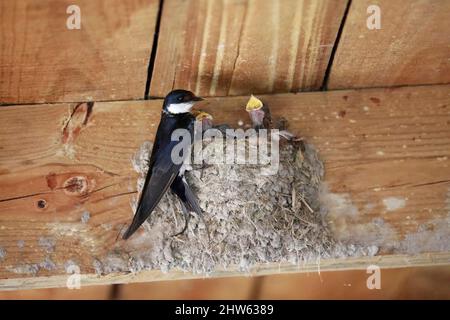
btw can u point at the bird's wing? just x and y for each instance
(188, 201)
(193, 204)
(181, 188)
(191, 199)
(161, 174)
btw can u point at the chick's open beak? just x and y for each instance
(203, 115)
(253, 104)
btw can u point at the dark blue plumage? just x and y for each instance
(163, 172)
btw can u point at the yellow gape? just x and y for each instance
(200, 115)
(253, 104)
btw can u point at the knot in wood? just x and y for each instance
(76, 186)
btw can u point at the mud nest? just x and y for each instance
(252, 217)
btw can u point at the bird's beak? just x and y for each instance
(195, 98)
(200, 115)
(253, 104)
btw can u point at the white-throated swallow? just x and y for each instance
(164, 172)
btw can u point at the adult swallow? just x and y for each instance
(259, 113)
(163, 172)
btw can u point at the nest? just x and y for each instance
(253, 215)
(250, 216)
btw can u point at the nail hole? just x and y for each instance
(41, 204)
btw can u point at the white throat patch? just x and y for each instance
(180, 107)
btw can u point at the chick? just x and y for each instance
(259, 113)
(205, 118)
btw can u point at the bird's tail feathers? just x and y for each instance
(195, 207)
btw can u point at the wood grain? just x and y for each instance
(89, 279)
(233, 47)
(403, 283)
(380, 147)
(84, 293)
(43, 61)
(412, 47)
(198, 289)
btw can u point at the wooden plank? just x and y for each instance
(233, 47)
(386, 154)
(89, 279)
(412, 47)
(402, 283)
(107, 59)
(84, 293)
(198, 289)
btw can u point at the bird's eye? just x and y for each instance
(180, 98)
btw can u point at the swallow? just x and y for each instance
(163, 173)
(259, 113)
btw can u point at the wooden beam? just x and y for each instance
(404, 283)
(89, 279)
(411, 48)
(107, 59)
(219, 48)
(218, 288)
(84, 293)
(386, 154)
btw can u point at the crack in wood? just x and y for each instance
(71, 130)
(24, 196)
(115, 196)
(244, 19)
(431, 183)
(335, 46)
(152, 59)
(103, 188)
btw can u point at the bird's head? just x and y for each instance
(179, 101)
(201, 115)
(204, 117)
(255, 109)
